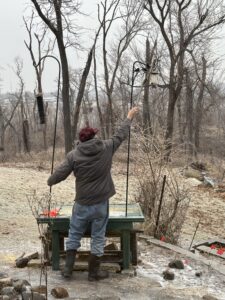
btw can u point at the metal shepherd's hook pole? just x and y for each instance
(54, 143)
(135, 71)
(57, 108)
(128, 149)
(134, 74)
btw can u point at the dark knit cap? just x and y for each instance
(87, 133)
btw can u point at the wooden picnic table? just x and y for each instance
(118, 225)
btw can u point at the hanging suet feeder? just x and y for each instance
(41, 111)
(154, 76)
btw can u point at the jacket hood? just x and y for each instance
(91, 147)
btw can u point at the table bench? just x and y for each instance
(119, 225)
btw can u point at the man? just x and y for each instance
(91, 162)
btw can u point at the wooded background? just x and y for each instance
(177, 79)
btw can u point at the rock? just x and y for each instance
(3, 275)
(19, 284)
(22, 263)
(209, 182)
(194, 182)
(59, 293)
(209, 297)
(176, 264)
(6, 282)
(190, 173)
(198, 274)
(27, 295)
(41, 289)
(168, 275)
(9, 291)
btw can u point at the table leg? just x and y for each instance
(133, 246)
(55, 250)
(126, 248)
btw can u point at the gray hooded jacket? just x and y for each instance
(91, 163)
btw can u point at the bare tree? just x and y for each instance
(82, 84)
(181, 22)
(55, 14)
(101, 121)
(6, 121)
(131, 24)
(38, 65)
(23, 111)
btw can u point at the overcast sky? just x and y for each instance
(12, 35)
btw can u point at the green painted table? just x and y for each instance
(119, 224)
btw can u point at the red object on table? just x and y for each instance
(51, 213)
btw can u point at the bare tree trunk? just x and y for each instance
(17, 136)
(180, 121)
(65, 95)
(81, 92)
(170, 122)
(189, 112)
(26, 136)
(199, 106)
(2, 132)
(147, 126)
(97, 101)
(25, 129)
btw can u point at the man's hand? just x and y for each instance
(132, 112)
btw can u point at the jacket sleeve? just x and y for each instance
(120, 135)
(62, 171)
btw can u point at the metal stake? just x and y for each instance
(196, 229)
(160, 204)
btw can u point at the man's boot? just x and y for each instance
(94, 272)
(70, 259)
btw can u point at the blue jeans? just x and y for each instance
(84, 215)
